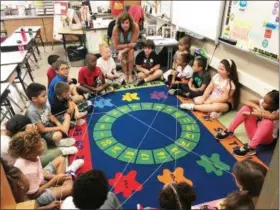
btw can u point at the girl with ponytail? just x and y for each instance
(221, 95)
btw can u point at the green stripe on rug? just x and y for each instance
(145, 85)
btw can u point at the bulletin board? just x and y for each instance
(255, 27)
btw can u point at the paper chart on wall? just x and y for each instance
(254, 31)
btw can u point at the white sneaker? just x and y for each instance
(80, 122)
(215, 115)
(189, 107)
(89, 102)
(67, 142)
(69, 150)
(76, 164)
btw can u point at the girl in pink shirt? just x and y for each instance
(221, 95)
(27, 146)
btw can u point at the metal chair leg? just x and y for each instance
(13, 102)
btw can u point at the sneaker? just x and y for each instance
(116, 85)
(189, 107)
(66, 142)
(102, 93)
(215, 115)
(244, 151)
(179, 92)
(72, 124)
(139, 82)
(76, 164)
(110, 89)
(224, 134)
(89, 102)
(172, 91)
(68, 150)
(80, 122)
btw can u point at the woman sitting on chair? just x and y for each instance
(125, 36)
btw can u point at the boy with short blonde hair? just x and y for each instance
(108, 67)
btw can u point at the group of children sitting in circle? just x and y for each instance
(51, 113)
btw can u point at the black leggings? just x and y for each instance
(185, 88)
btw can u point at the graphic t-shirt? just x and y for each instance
(38, 115)
(147, 62)
(199, 80)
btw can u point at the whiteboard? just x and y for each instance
(254, 31)
(200, 17)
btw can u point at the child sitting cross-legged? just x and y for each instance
(51, 129)
(181, 75)
(19, 185)
(198, 82)
(108, 67)
(63, 103)
(91, 78)
(62, 74)
(148, 64)
(27, 146)
(221, 95)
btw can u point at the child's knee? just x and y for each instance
(57, 136)
(141, 75)
(246, 108)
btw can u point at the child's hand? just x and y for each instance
(246, 113)
(54, 204)
(62, 129)
(110, 76)
(120, 56)
(175, 83)
(131, 45)
(60, 178)
(116, 76)
(146, 72)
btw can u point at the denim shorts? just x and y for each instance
(50, 168)
(45, 198)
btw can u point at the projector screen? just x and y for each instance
(200, 17)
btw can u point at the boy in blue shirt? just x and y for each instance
(62, 75)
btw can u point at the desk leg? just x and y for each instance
(29, 70)
(41, 39)
(12, 100)
(20, 79)
(64, 43)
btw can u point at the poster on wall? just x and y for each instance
(254, 31)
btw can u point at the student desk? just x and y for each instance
(10, 44)
(8, 76)
(8, 73)
(17, 58)
(37, 31)
(170, 43)
(68, 31)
